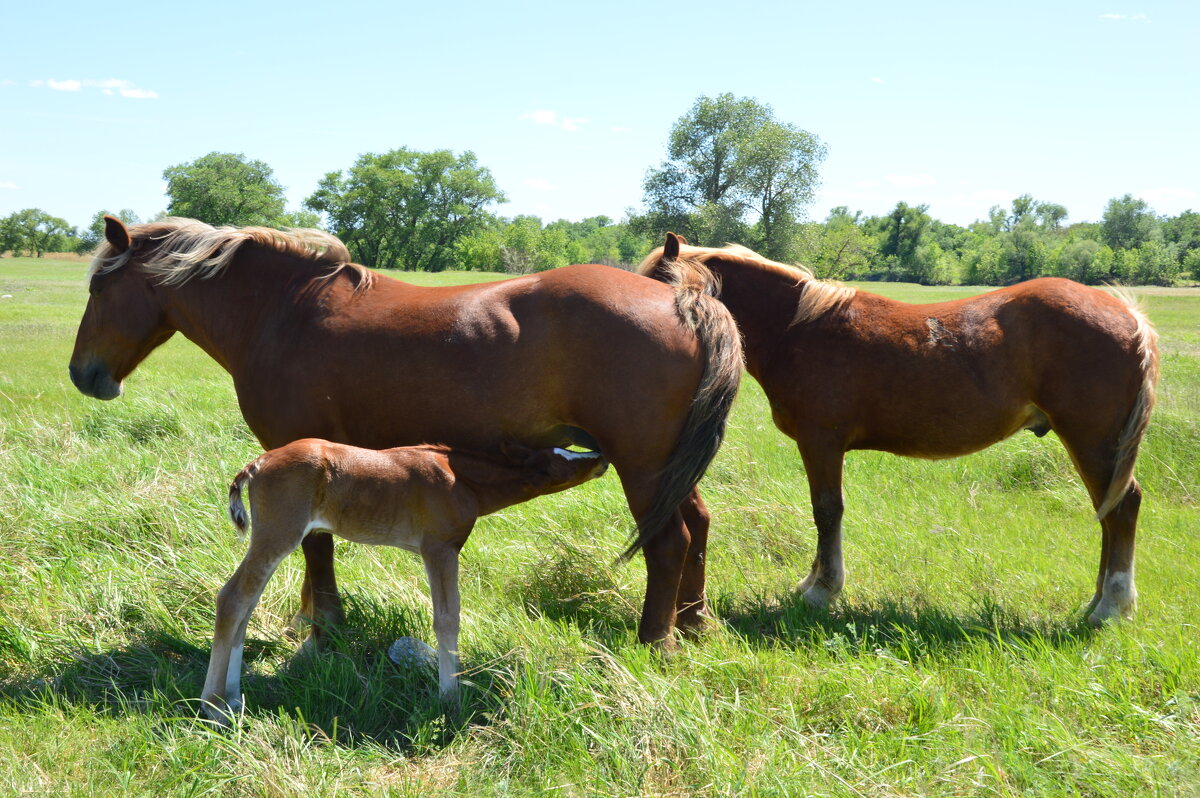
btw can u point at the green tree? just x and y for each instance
(1128, 223)
(733, 173)
(1156, 264)
(34, 232)
(841, 248)
(1075, 261)
(224, 188)
(1050, 215)
(407, 209)
(1184, 232)
(901, 233)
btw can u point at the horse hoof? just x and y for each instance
(696, 623)
(1105, 614)
(818, 597)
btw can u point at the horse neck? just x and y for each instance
(762, 301)
(222, 314)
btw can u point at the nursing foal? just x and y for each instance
(422, 498)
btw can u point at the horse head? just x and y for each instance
(124, 320)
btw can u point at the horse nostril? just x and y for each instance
(76, 377)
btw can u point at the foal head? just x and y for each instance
(545, 471)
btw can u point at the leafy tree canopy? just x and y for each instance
(407, 209)
(224, 188)
(733, 173)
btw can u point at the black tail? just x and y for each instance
(696, 289)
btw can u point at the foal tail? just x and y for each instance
(696, 289)
(1146, 339)
(237, 510)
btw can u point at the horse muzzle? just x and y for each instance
(94, 380)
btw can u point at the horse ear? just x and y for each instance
(116, 233)
(682, 240)
(671, 248)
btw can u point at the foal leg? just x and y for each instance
(320, 604)
(692, 615)
(441, 566)
(222, 694)
(828, 575)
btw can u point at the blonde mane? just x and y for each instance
(178, 250)
(817, 298)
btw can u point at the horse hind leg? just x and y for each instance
(692, 615)
(665, 553)
(1095, 460)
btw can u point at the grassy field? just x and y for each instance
(956, 662)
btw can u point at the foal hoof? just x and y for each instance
(219, 711)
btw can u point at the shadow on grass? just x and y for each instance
(911, 631)
(350, 694)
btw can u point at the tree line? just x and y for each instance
(732, 172)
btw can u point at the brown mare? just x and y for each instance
(846, 369)
(322, 348)
(422, 498)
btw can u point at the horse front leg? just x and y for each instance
(824, 582)
(320, 603)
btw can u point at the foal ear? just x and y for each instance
(516, 453)
(116, 233)
(671, 248)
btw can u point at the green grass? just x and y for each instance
(956, 662)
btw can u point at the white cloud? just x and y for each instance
(7, 82)
(8, 184)
(867, 184)
(540, 184)
(619, 129)
(912, 181)
(1130, 17)
(544, 117)
(111, 87)
(877, 80)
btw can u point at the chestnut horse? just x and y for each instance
(422, 498)
(322, 348)
(845, 369)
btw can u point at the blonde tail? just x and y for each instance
(1139, 416)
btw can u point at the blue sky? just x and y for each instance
(959, 105)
